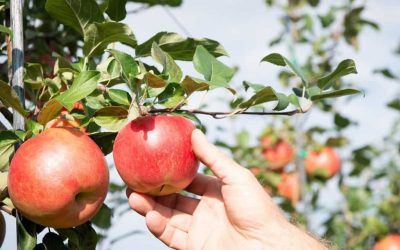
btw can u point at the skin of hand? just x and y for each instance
(232, 211)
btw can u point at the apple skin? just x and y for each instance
(2, 228)
(324, 163)
(390, 242)
(58, 178)
(277, 154)
(153, 154)
(289, 187)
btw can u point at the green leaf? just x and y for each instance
(217, 73)
(50, 110)
(34, 75)
(110, 71)
(116, 10)
(172, 95)
(10, 98)
(179, 48)
(6, 153)
(120, 96)
(8, 138)
(111, 118)
(26, 231)
(88, 236)
(105, 140)
(4, 29)
(128, 65)
(387, 73)
(280, 60)
(170, 67)
(345, 67)
(191, 85)
(394, 104)
(335, 93)
(267, 94)
(254, 86)
(84, 84)
(76, 14)
(154, 81)
(283, 102)
(53, 241)
(99, 35)
(103, 217)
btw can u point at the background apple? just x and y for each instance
(153, 154)
(289, 187)
(323, 163)
(58, 178)
(278, 153)
(390, 242)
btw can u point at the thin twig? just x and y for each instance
(221, 115)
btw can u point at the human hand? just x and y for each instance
(233, 211)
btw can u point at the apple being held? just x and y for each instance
(153, 154)
(278, 153)
(323, 163)
(58, 178)
(390, 242)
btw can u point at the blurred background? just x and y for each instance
(353, 207)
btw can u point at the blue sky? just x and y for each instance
(244, 29)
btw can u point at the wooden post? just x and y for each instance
(17, 81)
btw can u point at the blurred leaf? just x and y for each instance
(76, 14)
(53, 241)
(120, 96)
(387, 73)
(105, 141)
(170, 67)
(357, 198)
(179, 48)
(328, 19)
(111, 118)
(116, 10)
(254, 86)
(341, 122)
(84, 84)
(4, 29)
(103, 217)
(172, 3)
(280, 60)
(217, 73)
(394, 104)
(99, 35)
(345, 67)
(10, 98)
(283, 102)
(334, 93)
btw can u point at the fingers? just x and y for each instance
(201, 183)
(166, 223)
(221, 165)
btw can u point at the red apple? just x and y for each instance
(153, 154)
(277, 154)
(323, 163)
(65, 121)
(289, 187)
(2, 228)
(58, 178)
(390, 242)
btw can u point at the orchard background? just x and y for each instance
(314, 35)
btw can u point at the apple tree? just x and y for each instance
(85, 69)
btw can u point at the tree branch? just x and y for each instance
(221, 115)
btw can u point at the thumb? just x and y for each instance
(221, 165)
